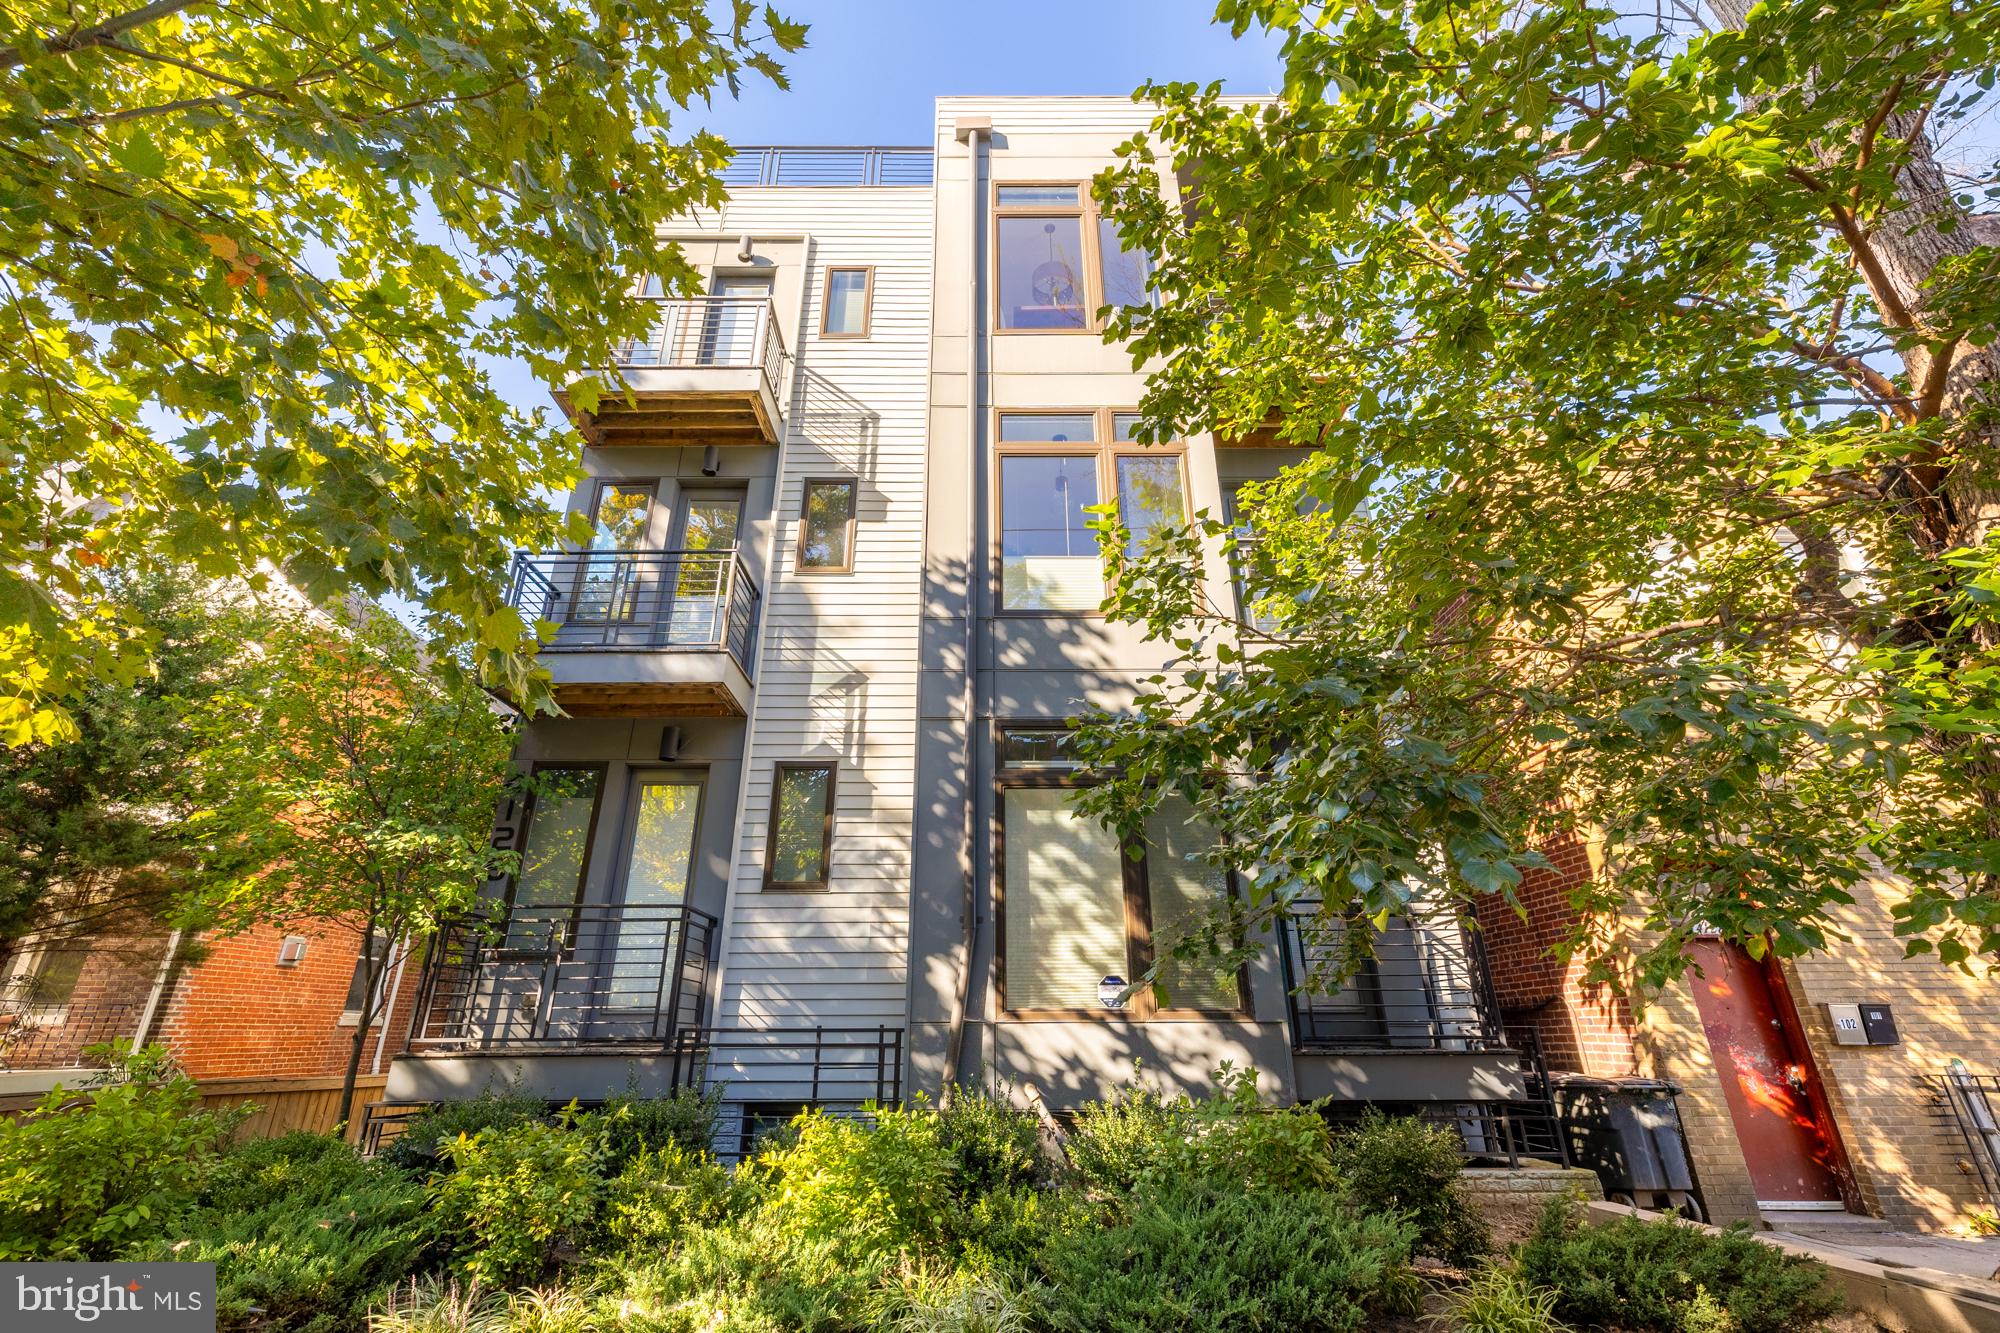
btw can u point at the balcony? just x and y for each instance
(712, 371)
(1425, 988)
(565, 977)
(643, 633)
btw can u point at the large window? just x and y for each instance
(1058, 261)
(555, 852)
(1053, 467)
(826, 525)
(1080, 912)
(798, 845)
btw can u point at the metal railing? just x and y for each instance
(639, 601)
(829, 166)
(1972, 1104)
(40, 1035)
(1425, 986)
(565, 976)
(712, 332)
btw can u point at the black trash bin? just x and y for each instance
(1628, 1130)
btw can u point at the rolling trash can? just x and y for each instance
(1628, 1131)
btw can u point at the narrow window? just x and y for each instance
(554, 853)
(1128, 274)
(54, 980)
(826, 525)
(1149, 495)
(1063, 899)
(1048, 554)
(849, 297)
(799, 843)
(1183, 889)
(378, 954)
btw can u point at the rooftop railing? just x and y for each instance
(829, 166)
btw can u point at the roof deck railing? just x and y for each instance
(803, 166)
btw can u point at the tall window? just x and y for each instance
(1053, 467)
(1080, 913)
(379, 954)
(1059, 261)
(798, 844)
(849, 292)
(555, 852)
(826, 525)
(611, 586)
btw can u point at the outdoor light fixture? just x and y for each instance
(711, 461)
(670, 744)
(745, 249)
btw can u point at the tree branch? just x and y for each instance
(101, 34)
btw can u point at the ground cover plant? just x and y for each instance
(1148, 1212)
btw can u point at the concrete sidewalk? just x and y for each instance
(1878, 1242)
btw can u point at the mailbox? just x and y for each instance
(1879, 1024)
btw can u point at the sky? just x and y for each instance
(871, 68)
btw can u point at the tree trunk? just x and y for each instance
(371, 973)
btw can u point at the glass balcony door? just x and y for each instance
(663, 817)
(611, 586)
(729, 328)
(706, 539)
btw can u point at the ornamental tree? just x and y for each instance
(254, 262)
(1648, 377)
(368, 774)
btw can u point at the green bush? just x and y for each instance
(438, 1305)
(631, 1124)
(750, 1275)
(1500, 1300)
(1004, 1231)
(1114, 1144)
(91, 1178)
(1195, 1260)
(947, 1301)
(868, 1189)
(1234, 1141)
(1667, 1276)
(662, 1192)
(995, 1144)
(304, 1234)
(1404, 1165)
(420, 1147)
(515, 1196)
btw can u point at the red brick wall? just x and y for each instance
(1583, 1028)
(110, 995)
(239, 1014)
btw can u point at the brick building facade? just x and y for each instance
(1890, 1117)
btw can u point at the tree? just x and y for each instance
(369, 774)
(1649, 377)
(93, 842)
(253, 263)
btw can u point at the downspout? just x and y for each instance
(388, 1015)
(968, 132)
(146, 1015)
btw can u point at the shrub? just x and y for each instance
(931, 1301)
(420, 1147)
(513, 1196)
(1653, 1275)
(751, 1276)
(662, 1192)
(303, 1234)
(1234, 1141)
(1004, 1231)
(1114, 1144)
(996, 1145)
(550, 1310)
(1500, 1300)
(437, 1305)
(631, 1124)
(867, 1189)
(1409, 1167)
(90, 1179)
(1195, 1260)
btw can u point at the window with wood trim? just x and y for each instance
(849, 302)
(798, 842)
(826, 525)
(1054, 466)
(1057, 261)
(1080, 911)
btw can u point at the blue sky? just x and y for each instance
(872, 67)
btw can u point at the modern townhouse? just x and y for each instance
(803, 831)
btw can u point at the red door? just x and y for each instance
(1767, 1078)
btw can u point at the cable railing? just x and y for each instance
(711, 332)
(829, 166)
(1424, 986)
(584, 975)
(640, 601)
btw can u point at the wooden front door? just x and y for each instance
(1768, 1080)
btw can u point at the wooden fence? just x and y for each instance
(286, 1104)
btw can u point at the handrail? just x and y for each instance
(710, 332)
(836, 164)
(640, 601)
(1425, 987)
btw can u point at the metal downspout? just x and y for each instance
(968, 131)
(146, 1016)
